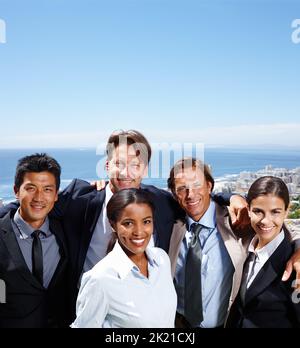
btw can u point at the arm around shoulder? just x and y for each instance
(8, 207)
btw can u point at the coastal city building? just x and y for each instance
(241, 182)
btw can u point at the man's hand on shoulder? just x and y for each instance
(238, 211)
(293, 264)
(99, 184)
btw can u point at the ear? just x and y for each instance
(113, 226)
(16, 191)
(107, 165)
(145, 172)
(249, 213)
(56, 196)
(209, 185)
(287, 211)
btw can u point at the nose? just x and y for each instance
(38, 195)
(124, 172)
(139, 230)
(266, 219)
(190, 193)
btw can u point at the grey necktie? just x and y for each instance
(37, 256)
(192, 291)
(251, 257)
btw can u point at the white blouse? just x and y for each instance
(114, 293)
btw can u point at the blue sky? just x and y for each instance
(219, 72)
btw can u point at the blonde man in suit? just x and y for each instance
(206, 254)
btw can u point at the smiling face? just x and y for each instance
(37, 195)
(134, 228)
(267, 214)
(193, 192)
(125, 169)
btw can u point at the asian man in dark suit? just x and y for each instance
(33, 253)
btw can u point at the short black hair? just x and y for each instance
(36, 163)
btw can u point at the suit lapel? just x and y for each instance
(237, 255)
(56, 229)
(236, 244)
(271, 270)
(9, 238)
(177, 236)
(263, 279)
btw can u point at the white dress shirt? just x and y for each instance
(115, 294)
(261, 255)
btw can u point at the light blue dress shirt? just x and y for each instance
(115, 294)
(216, 271)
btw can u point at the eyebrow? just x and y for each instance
(256, 208)
(34, 185)
(147, 217)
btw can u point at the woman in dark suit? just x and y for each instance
(264, 300)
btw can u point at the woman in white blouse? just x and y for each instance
(132, 286)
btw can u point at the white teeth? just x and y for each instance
(138, 241)
(193, 203)
(266, 229)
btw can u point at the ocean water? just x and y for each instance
(88, 165)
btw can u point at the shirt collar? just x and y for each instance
(124, 265)
(108, 194)
(265, 252)
(26, 230)
(208, 219)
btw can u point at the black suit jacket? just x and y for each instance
(268, 300)
(28, 303)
